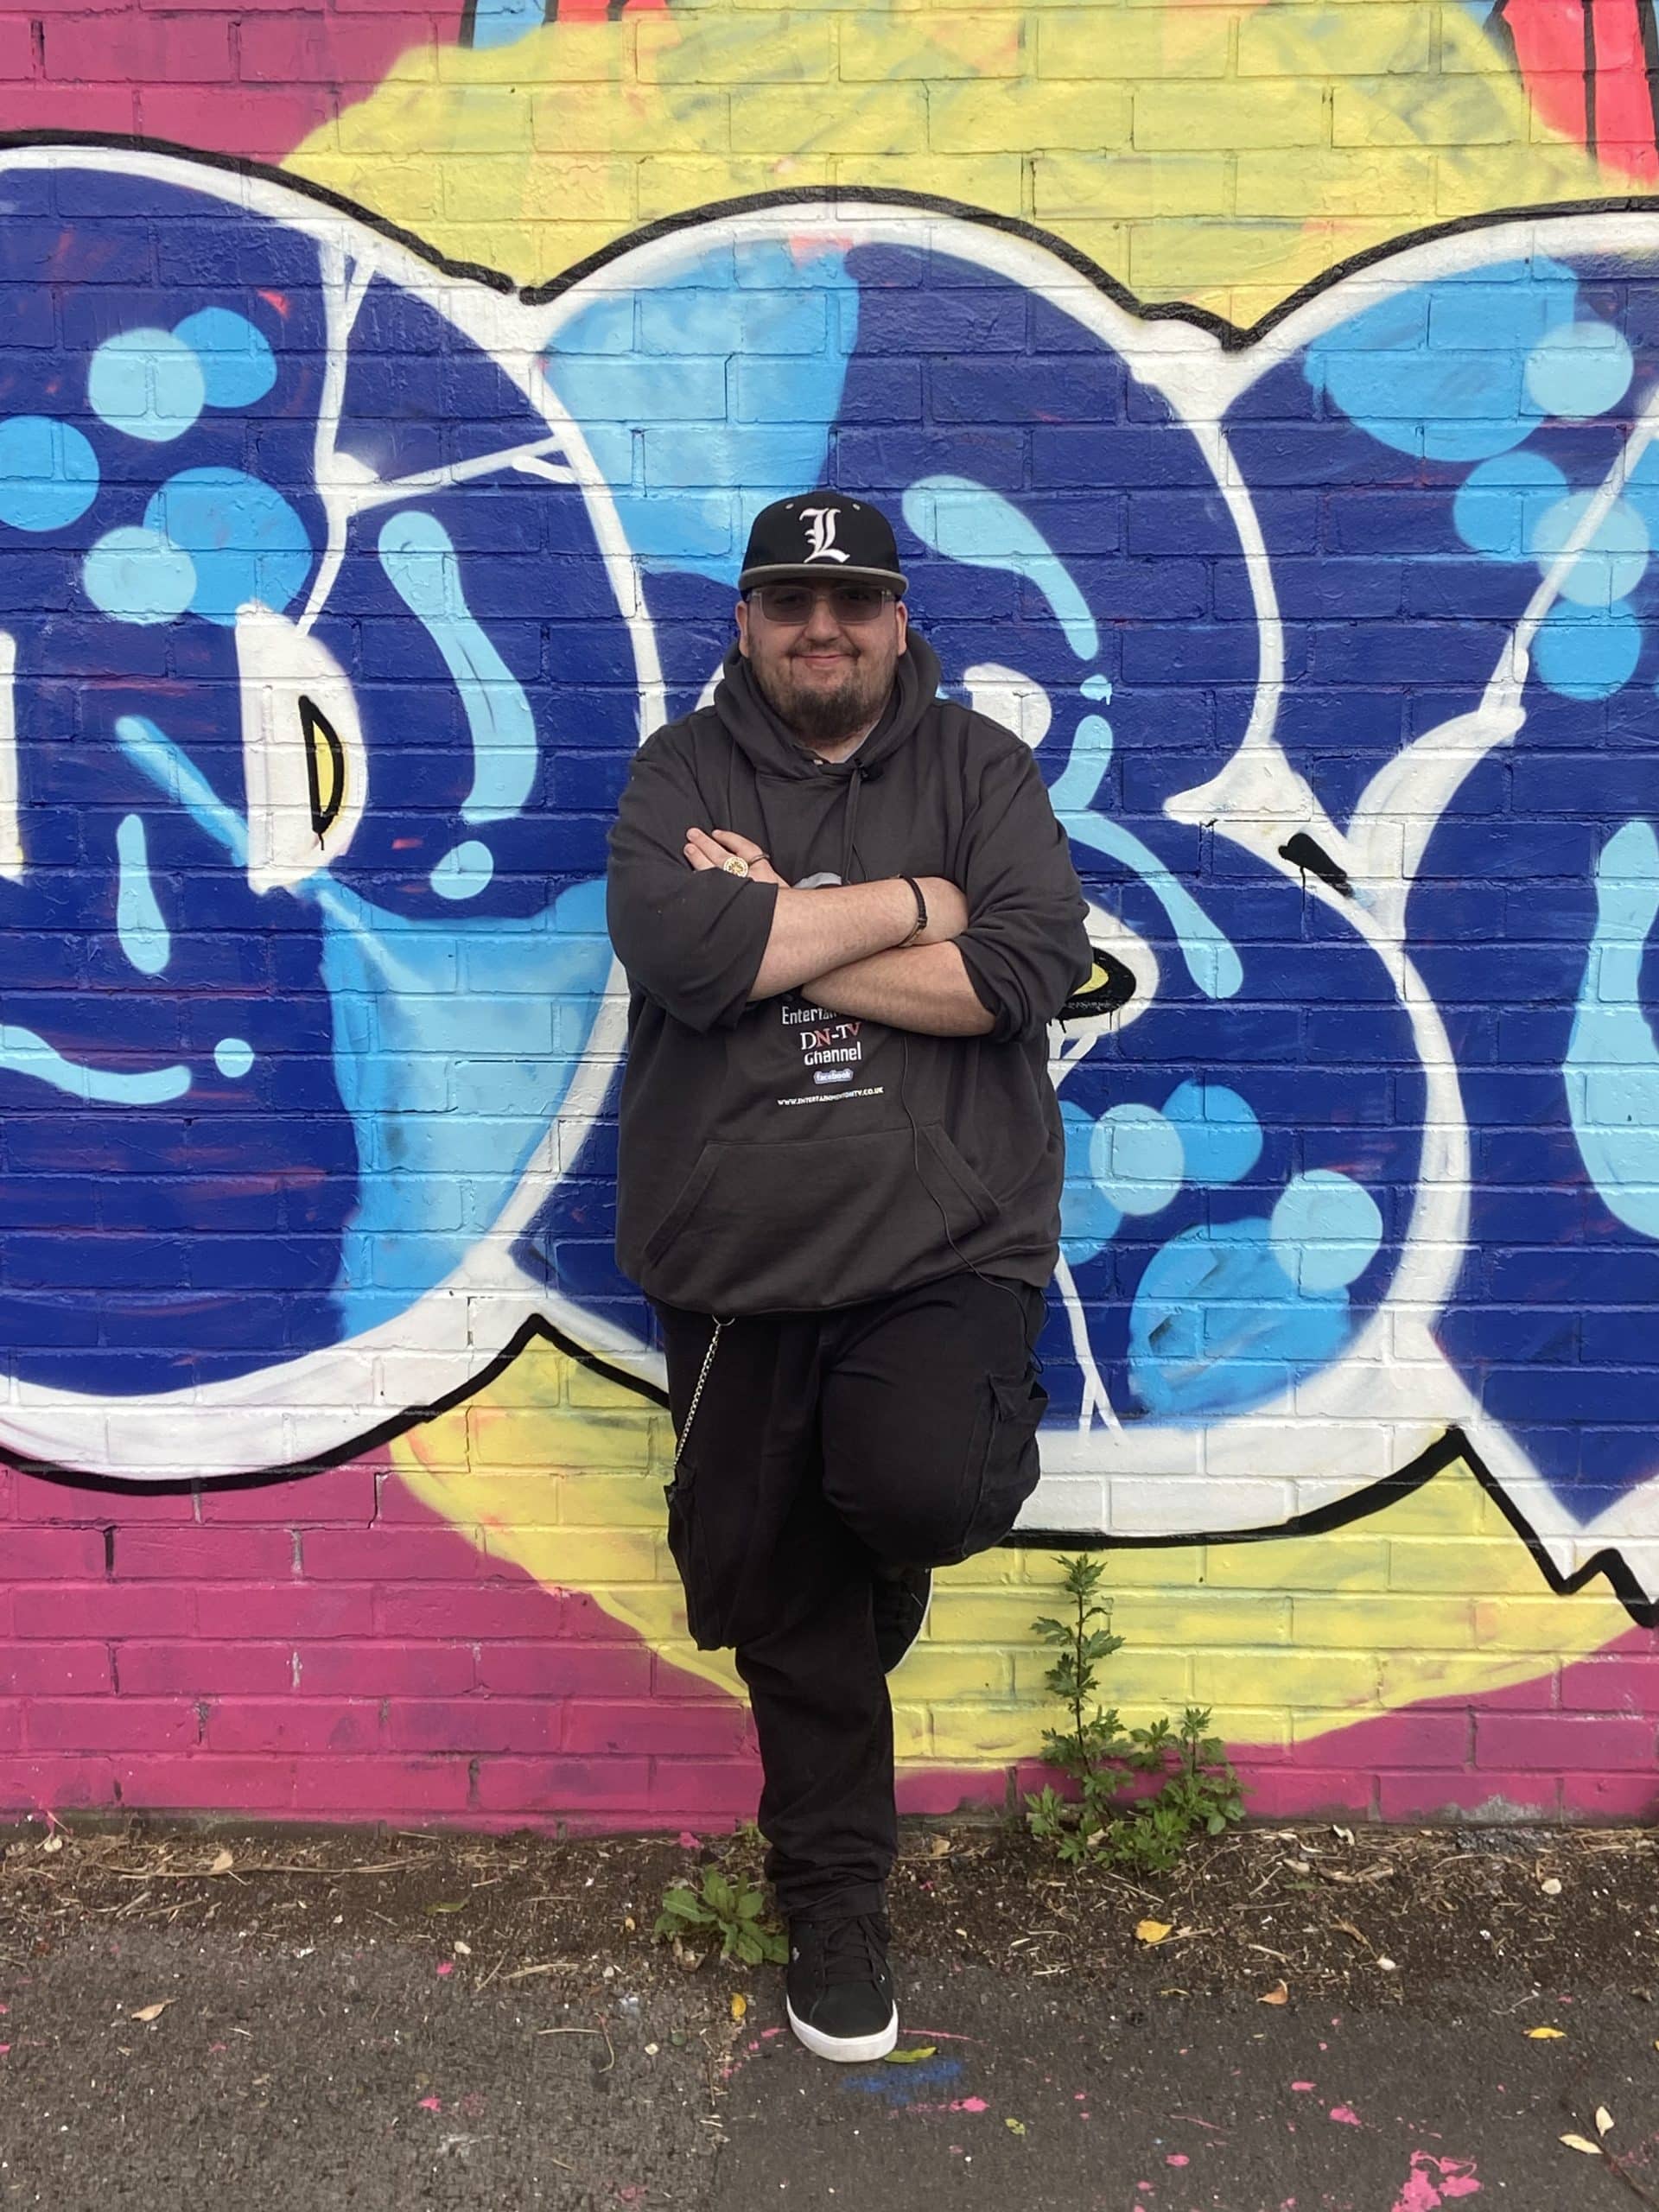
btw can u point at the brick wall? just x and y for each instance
(1263, 395)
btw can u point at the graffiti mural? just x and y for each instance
(1265, 397)
(1330, 643)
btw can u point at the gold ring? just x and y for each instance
(735, 866)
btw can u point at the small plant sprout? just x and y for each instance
(733, 1910)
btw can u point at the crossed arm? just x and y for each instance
(843, 946)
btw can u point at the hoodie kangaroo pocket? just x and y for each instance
(685, 1203)
(817, 1222)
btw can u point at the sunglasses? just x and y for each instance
(850, 604)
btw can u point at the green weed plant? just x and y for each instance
(733, 1909)
(1115, 1820)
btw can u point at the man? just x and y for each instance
(848, 915)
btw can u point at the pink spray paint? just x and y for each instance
(1435, 2182)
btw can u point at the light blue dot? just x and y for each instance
(1611, 565)
(1220, 1136)
(1325, 1230)
(135, 575)
(247, 541)
(1135, 1157)
(237, 366)
(49, 473)
(1089, 1220)
(234, 1056)
(465, 871)
(147, 384)
(1588, 653)
(1579, 370)
(1498, 504)
(1095, 687)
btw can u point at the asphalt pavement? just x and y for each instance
(351, 2071)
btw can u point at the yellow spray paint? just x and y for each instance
(560, 1471)
(1221, 155)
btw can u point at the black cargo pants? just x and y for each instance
(900, 1430)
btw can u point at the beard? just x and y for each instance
(824, 714)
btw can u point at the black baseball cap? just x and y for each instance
(822, 534)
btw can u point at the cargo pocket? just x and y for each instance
(1005, 1446)
(703, 1613)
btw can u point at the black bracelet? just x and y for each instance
(921, 909)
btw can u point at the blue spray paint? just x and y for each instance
(48, 474)
(967, 521)
(654, 384)
(1213, 964)
(23, 1052)
(138, 922)
(418, 556)
(449, 1088)
(466, 871)
(1216, 1325)
(498, 23)
(1437, 369)
(1613, 1064)
(447, 1099)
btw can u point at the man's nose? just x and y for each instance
(822, 628)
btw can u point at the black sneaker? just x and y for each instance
(839, 1988)
(902, 1596)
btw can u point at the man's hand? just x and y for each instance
(704, 849)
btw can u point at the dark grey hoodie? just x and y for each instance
(777, 1156)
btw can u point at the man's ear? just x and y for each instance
(740, 614)
(902, 614)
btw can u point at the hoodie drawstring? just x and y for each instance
(853, 784)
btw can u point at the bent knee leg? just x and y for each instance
(955, 1494)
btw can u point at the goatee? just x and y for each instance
(821, 717)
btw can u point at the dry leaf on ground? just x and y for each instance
(1580, 2143)
(1552, 2035)
(1277, 1995)
(152, 2011)
(1152, 1931)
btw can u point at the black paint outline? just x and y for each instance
(246, 165)
(1233, 338)
(1446, 1451)
(537, 1328)
(315, 725)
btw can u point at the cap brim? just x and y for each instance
(815, 572)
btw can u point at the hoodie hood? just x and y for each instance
(755, 730)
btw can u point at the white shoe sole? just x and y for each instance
(848, 2050)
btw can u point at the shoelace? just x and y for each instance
(852, 1949)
